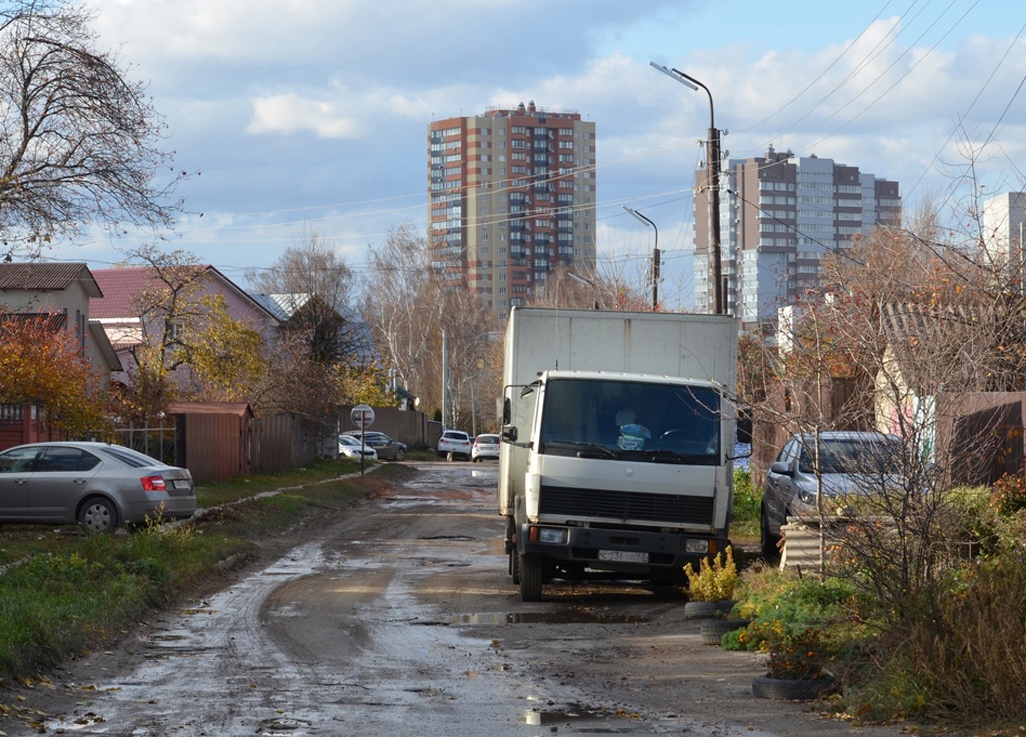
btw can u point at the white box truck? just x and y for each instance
(617, 435)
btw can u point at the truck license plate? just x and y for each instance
(623, 556)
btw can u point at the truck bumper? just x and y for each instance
(625, 551)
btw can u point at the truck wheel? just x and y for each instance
(530, 579)
(514, 566)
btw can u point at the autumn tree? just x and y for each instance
(79, 141)
(191, 347)
(42, 363)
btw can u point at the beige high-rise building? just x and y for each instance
(511, 198)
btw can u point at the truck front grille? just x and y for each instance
(623, 505)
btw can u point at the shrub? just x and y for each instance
(800, 657)
(713, 581)
(1008, 494)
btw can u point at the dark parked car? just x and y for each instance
(98, 485)
(387, 448)
(850, 463)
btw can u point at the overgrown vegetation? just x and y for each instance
(745, 523)
(955, 656)
(64, 593)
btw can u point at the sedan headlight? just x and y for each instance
(806, 495)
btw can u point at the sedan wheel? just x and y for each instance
(768, 541)
(400, 454)
(98, 516)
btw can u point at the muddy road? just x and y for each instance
(400, 620)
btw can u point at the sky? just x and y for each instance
(300, 116)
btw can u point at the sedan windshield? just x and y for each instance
(856, 455)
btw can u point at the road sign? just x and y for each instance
(362, 416)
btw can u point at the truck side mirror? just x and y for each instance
(507, 411)
(510, 434)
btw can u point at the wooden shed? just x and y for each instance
(214, 438)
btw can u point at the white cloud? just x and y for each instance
(290, 113)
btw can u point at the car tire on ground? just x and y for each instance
(713, 630)
(400, 455)
(98, 515)
(767, 540)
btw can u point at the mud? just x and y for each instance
(400, 619)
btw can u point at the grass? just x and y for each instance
(64, 593)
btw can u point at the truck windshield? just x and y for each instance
(631, 420)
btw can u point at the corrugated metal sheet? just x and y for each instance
(44, 276)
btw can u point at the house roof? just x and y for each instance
(240, 409)
(122, 287)
(45, 276)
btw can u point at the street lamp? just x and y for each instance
(655, 257)
(713, 155)
(587, 283)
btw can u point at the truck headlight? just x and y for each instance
(550, 535)
(697, 546)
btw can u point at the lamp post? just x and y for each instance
(713, 156)
(588, 283)
(655, 257)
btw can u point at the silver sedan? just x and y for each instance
(98, 485)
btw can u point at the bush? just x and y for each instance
(801, 656)
(1008, 494)
(713, 581)
(964, 648)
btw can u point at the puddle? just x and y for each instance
(281, 726)
(557, 616)
(582, 720)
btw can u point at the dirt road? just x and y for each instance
(400, 620)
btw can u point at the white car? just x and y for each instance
(455, 442)
(486, 445)
(350, 447)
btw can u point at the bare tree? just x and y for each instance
(313, 284)
(401, 308)
(78, 140)
(912, 319)
(409, 306)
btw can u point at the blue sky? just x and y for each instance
(312, 114)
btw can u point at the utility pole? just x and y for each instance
(655, 257)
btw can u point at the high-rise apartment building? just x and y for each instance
(778, 218)
(1004, 227)
(511, 198)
